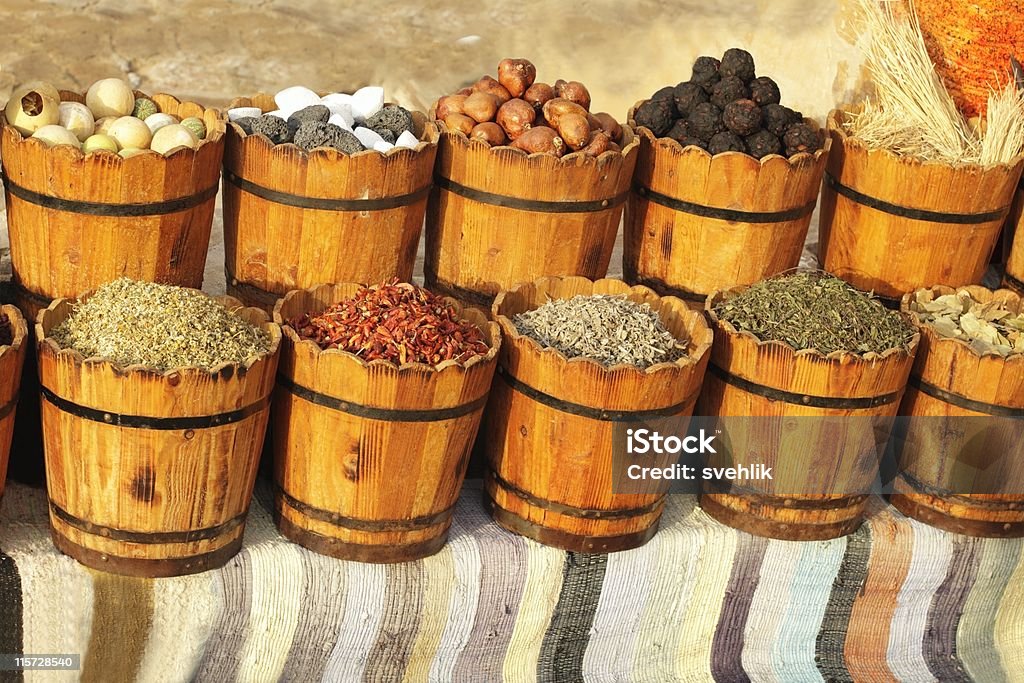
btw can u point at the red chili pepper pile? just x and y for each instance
(401, 323)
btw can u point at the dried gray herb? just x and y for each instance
(609, 329)
(811, 310)
(160, 326)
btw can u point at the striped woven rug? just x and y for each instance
(895, 601)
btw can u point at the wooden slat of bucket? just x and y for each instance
(549, 424)
(383, 487)
(1014, 276)
(12, 358)
(877, 207)
(295, 219)
(73, 225)
(950, 379)
(697, 223)
(498, 217)
(772, 381)
(150, 474)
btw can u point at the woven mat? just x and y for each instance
(897, 600)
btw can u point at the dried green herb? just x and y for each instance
(610, 329)
(989, 328)
(160, 326)
(811, 310)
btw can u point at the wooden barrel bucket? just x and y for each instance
(548, 429)
(77, 221)
(957, 476)
(150, 473)
(295, 219)
(12, 359)
(1013, 278)
(697, 223)
(877, 208)
(369, 458)
(821, 480)
(498, 216)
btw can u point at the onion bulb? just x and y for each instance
(110, 97)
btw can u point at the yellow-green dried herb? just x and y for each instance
(988, 327)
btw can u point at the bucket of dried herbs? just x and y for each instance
(726, 181)
(800, 350)
(579, 357)
(307, 176)
(155, 401)
(379, 399)
(13, 342)
(959, 466)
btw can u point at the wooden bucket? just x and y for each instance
(12, 359)
(77, 221)
(1013, 278)
(295, 219)
(697, 223)
(149, 473)
(877, 208)
(748, 377)
(498, 216)
(938, 467)
(369, 458)
(549, 424)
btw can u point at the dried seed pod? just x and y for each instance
(542, 139)
(516, 75)
(558, 107)
(538, 94)
(516, 117)
(459, 122)
(609, 125)
(574, 129)
(600, 142)
(481, 107)
(449, 104)
(492, 87)
(489, 132)
(574, 91)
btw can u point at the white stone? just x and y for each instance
(383, 146)
(342, 110)
(280, 113)
(340, 121)
(367, 137)
(367, 101)
(407, 139)
(339, 97)
(295, 98)
(242, 112)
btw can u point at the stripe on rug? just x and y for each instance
(565, 643)
(830, 643)
(323, 608)
(121, 618)
(1009, 628)
(501, 594)
(224, 651)
(396, 635)
(543, 584)
(363, 613)
(727, 650)
(11, 633)
(274, 615)
(940, 651)
(438, 587)
(767, 609)
(975, 638)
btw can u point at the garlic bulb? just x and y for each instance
(56, 135)
(110, 97)
(172, 137)
(77, 118)
(94, 143)
(158, 121)
(130, 133)
(33, 106)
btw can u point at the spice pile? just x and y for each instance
(347, 123)
(609, 329)
(397, 322)
(112, 119)
(6, 330)
(159, 326)
(988, 327)
(810, 310)
(726, 107)
(517, 110)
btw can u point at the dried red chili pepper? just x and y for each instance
(398, 322)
